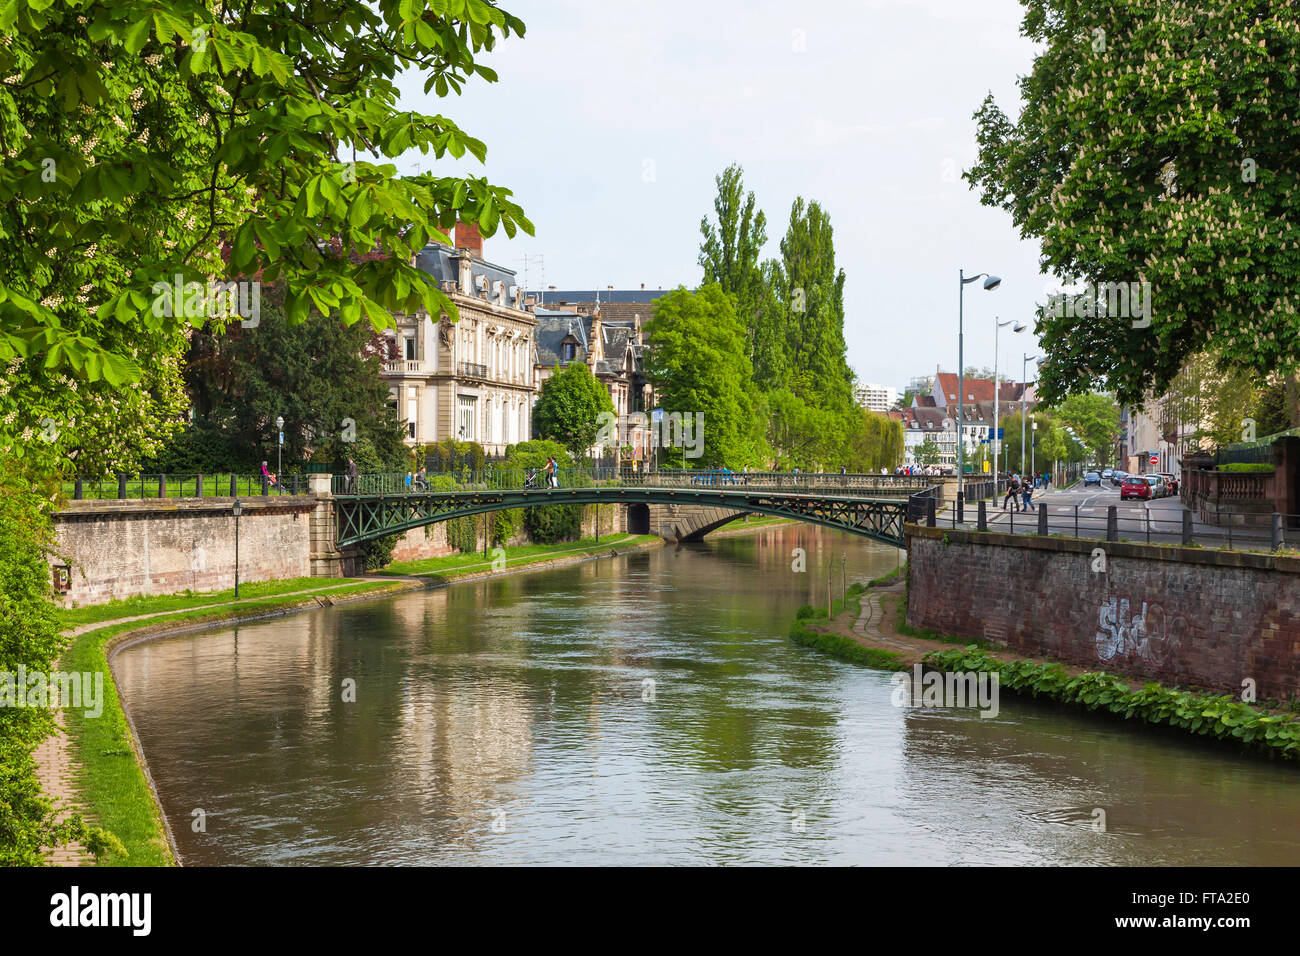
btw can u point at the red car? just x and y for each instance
(1135, 486)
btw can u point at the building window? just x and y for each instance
(570, 351)
(466, 414)
(410, 348)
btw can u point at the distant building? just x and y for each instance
(944, 390)
(605, 330)
(471, 380)
(877, 398)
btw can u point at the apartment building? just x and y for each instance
(470, 380)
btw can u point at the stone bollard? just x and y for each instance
(198, 486)
(1042, 518)
(78, 492)
(930, 519)
(266, 486)
(234, 487)
(1112, 523)
(1277, 532)
(121, 484)
(981, 517)
(162, 486)
(1187, 529)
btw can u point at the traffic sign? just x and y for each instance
(1155, 459)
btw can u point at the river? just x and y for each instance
(650, 709)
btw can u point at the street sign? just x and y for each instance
(281, 438)
(1155, 459)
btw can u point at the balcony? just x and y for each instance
(471, 370)
(404, 367)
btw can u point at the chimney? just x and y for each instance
(468, 238)
(642, 286)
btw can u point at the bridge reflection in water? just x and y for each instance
(871, 506)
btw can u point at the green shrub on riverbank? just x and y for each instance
(1223, 718)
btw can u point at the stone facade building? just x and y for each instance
(606, 331)
(471, 380)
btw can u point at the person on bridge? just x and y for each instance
(268, 475)
(353, 474)
(1027, 489)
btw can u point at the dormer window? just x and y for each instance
(569, 351)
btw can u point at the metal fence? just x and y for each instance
(1241, 531)
(123, 486)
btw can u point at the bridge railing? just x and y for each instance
(221, 485)
(501, 479)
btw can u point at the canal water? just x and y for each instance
(650, 709)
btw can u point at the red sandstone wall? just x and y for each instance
(1178, 615)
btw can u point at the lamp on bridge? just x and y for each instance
(238, 509)
(991, 282)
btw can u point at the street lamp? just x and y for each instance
(1033, 450)
(1024, 387)
(997, 392)
(279, 449)
(238, 509)
(991, 282)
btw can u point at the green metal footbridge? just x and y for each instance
(873, 506)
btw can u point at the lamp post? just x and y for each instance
(1024, 387)
(238, 509)
(991, 282)
(997, 392)
(279, 449)
(1033, 450)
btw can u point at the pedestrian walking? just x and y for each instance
(353, 474)
(1013, 488)
(268, 475)
(1027, 490)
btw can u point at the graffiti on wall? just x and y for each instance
(1148, 634)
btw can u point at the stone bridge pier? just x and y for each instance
(679, 522)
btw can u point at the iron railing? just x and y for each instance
(221, 485)
(498, 478)
(1239, 530)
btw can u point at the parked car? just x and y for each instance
(1171, 481)
(1158, 487)
(1135, 486)
(1108, 472)
(1117, 477)
(1092, 478)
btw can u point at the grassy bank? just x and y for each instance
(452, 566)
(837, 645)
(111, 781)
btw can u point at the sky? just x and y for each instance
(611, 119)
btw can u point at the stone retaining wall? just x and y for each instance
(1184, 616)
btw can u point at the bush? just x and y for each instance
(378, 552)
(548, 524)
(462, 533)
